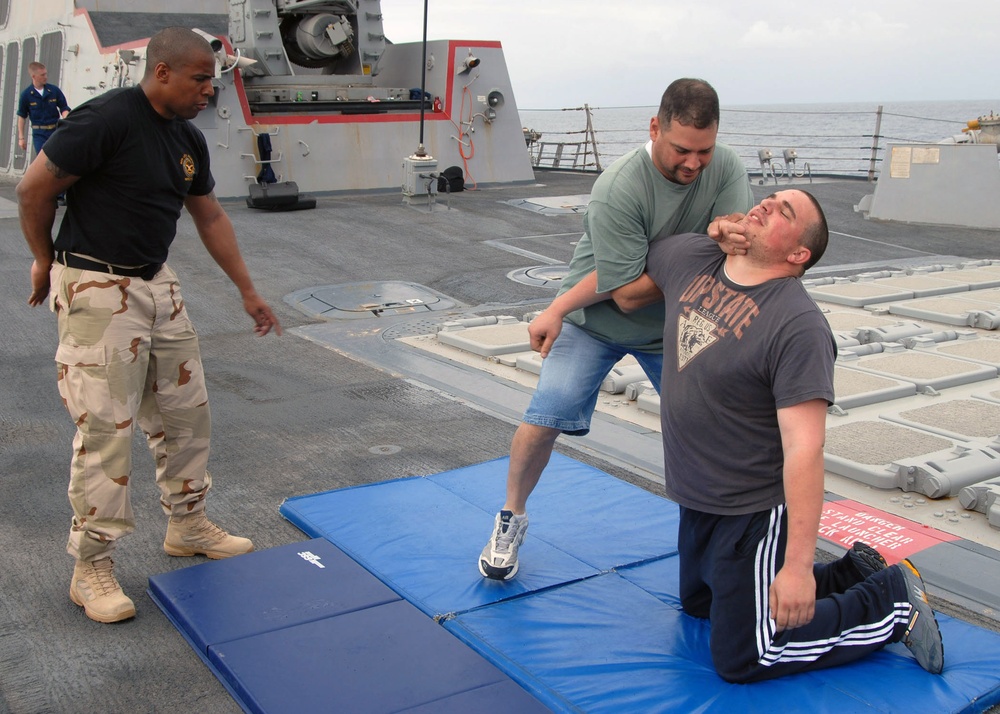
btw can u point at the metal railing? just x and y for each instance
(828, 143)
(581, 155)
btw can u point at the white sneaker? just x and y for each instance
(499, 558)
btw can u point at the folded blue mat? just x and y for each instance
(303, 628)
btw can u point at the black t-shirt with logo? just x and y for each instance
(135, 168)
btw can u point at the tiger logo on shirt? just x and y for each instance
(694, 333)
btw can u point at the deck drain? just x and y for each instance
(354, 301)
(384, 449)
(545, 276)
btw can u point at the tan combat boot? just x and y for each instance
(196, 535)
(95, 589)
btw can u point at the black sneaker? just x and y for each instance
(498, 560)
(922, 636)
(866, 559)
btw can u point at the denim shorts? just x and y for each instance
(571, 378)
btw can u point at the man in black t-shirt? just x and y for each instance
(129, 160)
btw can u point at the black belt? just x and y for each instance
(46, 127)
(146, 272)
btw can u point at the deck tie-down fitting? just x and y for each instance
(963, 466)
(983, 498)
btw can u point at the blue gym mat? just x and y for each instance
(590, 624)
(416, 534)
(303, 628)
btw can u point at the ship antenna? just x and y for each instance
(423, 81)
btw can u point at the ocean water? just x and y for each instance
(830, 138)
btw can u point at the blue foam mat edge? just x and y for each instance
(203, 656)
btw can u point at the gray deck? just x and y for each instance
(330, 404)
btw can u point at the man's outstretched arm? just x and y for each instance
(219, 236)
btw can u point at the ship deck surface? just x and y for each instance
(350, 399)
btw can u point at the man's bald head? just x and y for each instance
(175, 47)
(180, 69)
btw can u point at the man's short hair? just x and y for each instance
(692, 102)
(816, 235)
(35, 67)
(174, 46)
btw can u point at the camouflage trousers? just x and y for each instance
(128, 354)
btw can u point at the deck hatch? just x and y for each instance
(354, 301)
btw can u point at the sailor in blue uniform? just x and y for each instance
(44, 104)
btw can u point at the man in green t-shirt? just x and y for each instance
(677, 183)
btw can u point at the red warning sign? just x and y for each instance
(844, 522)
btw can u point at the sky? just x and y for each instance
(563, 53)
